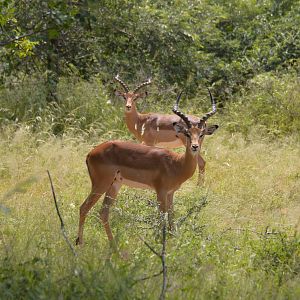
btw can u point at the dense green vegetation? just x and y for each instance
(183, 43)
(57, 63)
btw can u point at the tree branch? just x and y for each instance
(163, 260)
(196, 208)
(62, 226)
(17, 38)
(162, 257)
(146, 277)
(150, 247)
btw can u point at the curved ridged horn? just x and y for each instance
(210, 113)
(179, 113)
(142, 85)
(124, 85)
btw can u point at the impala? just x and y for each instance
(155, 129)
(114, 163)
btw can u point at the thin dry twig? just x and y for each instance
(17, 38)
(150, 247)
(162, 257)
(62, 225)
(195, 209)
(146, 277)
(163, 261)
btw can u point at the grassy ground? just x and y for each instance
(243, 244)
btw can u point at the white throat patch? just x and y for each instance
(143, 129)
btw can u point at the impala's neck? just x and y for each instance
(131, 119)
(189, 163)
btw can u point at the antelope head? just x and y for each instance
(131, 96)
(194, 132)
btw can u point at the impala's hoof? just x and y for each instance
(78, 242)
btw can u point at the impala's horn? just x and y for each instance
(123, 84)
(179, 113)
(142, 85)
(210, 113)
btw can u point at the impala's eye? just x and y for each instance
(187, 134)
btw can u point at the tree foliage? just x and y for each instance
(183, 43)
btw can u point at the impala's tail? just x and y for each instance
(87, 164)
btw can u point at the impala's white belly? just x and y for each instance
(135, 184)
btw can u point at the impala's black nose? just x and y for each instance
(195, 147)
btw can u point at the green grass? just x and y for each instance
(244, 244)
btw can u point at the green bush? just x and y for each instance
(83, 108)
(269, 104)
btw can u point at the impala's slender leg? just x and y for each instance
(109, 199)
(201, 166)
(165, 201)
(170, 210)
(84, 209)
(162, 199)
(164, 206)
(97, 191)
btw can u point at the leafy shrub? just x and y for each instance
(277, 254)
(83, 108)
(269, 103)
(21, 280)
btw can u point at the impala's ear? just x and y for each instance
(141, 95)
(211, 129)
(179, 128)
(119, 94)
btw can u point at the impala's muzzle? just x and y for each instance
(128, 107)
(195, 148)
